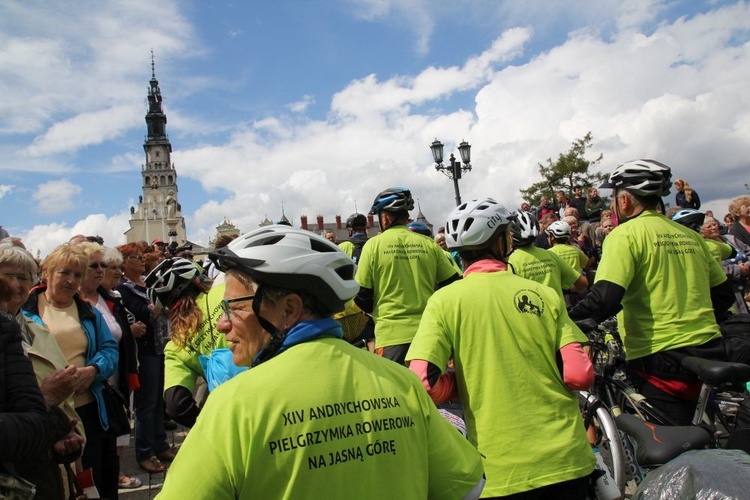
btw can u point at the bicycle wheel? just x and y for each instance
(607, 439)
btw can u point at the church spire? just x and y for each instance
(155, 118)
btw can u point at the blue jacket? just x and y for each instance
(102, 351)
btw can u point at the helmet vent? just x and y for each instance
(322, 246)
(346, 272)
(271, 239)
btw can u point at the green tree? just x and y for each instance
(570, 169)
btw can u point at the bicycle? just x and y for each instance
(648, 437)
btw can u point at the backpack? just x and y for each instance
(358, 240)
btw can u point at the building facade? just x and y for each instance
(158, 214)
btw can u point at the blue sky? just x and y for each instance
(321, 104)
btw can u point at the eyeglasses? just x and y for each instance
(139, 257)
(20, 278)
(228, 310)
(97, 265)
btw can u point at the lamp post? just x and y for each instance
(455, 169)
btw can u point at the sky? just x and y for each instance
(316, 106)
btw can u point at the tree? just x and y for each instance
(571, 169)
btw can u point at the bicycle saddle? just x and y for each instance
(658, 444)
(716, 372)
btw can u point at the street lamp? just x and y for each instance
(455, 168)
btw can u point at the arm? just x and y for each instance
(441, 388)
(577, 370)
(181, 370)
(581, 284)
(722, 298)
(365, 299)
(448, 281)
(602, 302)
(181, 406)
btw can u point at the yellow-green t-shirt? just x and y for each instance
(503, 333)
(323, 420)
(402, 268)
(181, 366)
(720, 250)
(348, 247)
(667, 271)
(543, 266)
(570, 254)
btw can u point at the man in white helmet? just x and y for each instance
(668, 285)
(314, 417)
(504, 334)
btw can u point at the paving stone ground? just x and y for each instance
(152, 483)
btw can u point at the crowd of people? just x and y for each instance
(246, 351)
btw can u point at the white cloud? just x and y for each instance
(5, 189)
(302, 105)
(96, 51)
(86, 129)
(56, 196)
(657, 94)
(42, 239)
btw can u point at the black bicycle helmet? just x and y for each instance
(356, 220)
(395, 199)
(168, 280)
(420, 227)
(642, 178)
(293, 259)
(524, 229)
(689, 217)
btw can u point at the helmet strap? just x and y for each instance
(277, 336)
(264, 323)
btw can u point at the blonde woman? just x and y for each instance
(739, 207)
(86, 342)
(685, 196)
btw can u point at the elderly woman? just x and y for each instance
(97, 288)
(28, 433)
(86, 343)
(151, 447)
(282, 286)
(56, 379)
(732, 254)
(739, 207)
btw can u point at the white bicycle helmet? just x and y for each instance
(559, 229)
(641, 177)
(524, 229)
(472, 225)
(293, 259)
(166, 282)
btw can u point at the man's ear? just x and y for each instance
(293, 308)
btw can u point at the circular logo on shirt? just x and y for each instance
(528, 301)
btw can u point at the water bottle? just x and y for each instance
(604, 486)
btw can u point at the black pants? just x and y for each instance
(667, 365)
(575, 489)
(395, 353)
(100, 452)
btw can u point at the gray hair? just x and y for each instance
(13, 255)
(112, 257)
